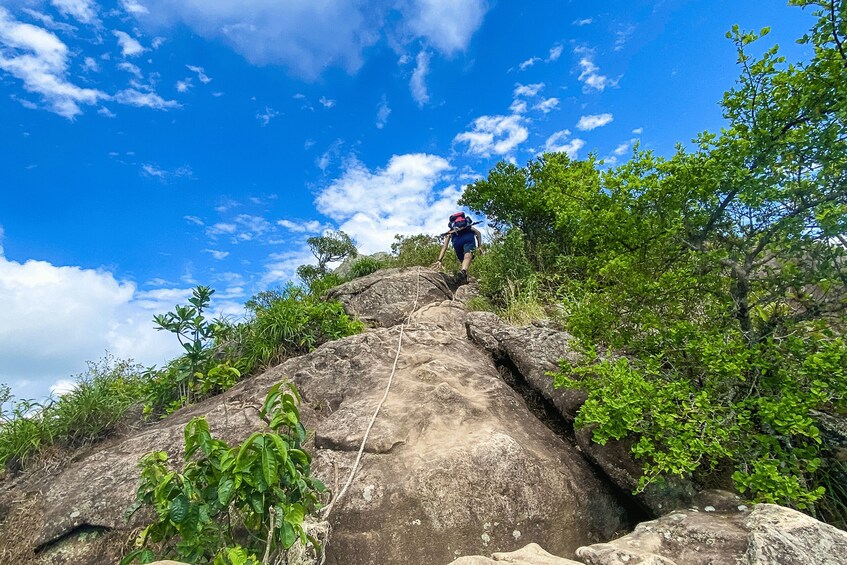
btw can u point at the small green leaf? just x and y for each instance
(178, 509)
(225, 489)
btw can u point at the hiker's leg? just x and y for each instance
(466, 262)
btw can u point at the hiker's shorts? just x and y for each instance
(464, 243)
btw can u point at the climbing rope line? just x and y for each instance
(406, 322)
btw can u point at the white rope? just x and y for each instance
(329, 508)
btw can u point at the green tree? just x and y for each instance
(721, 271)
(194, 332)
(330, 247)
(526, 199)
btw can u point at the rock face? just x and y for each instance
(532, 554)
(532, 352)
(455, 464)
(767, 535)
(384, 298)
(724, 532)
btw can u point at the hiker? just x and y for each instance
(466, 241)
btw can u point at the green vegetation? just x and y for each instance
(280, 323)
(420, 251)
(332, 246)
(716, 276)
(237, 505)
(365, 266)
(94, 409)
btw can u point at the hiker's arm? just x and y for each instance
(444, 248)
(478, 238)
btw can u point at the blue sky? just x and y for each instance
(152, 145)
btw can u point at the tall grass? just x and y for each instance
(93, 409)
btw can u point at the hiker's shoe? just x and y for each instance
(463, 277)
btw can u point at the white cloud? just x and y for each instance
(130, 47)
(201, 74)
(590, 73)
(56, 318)
(90, 65)
(193, 220)
(130, 68)
(62, 387)
(83, 10)
(153, 171)
(251, 227)
(382, 113)
(40, 60)
(583, 22)
(555, 53)
(134, 7)
(638, 131)
(407, 197)
(133, 97)
(312, 226)
(308, 37)
(494, 134)
(518, 107)
(418, 82)
(447, 25)
(528, 63)
(548, 105)
(326, 102)
(49, 22)
(622, 36)
(622, 148)
(221, 228)
(218, 255)
(183, 85)
(528, 89)
(557, 143)
(282, 267)
(588, 123)
(266, 116)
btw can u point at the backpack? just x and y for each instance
(459, 222)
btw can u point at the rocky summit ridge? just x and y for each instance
(472, 455)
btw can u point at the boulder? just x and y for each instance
(531, 554)
(533, 351)
(384, 298)
(530, 353)
(455, 463)
(766, 535)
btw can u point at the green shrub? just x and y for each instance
(504, 272)
(523, 304)
(708, 400)
(92, 410)
(479, 304)
(195, 334)
(293, 323)
(96, 406)
(231, 505)
(418, 251)
(320, 285)
(365, 266)
(23, 433)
